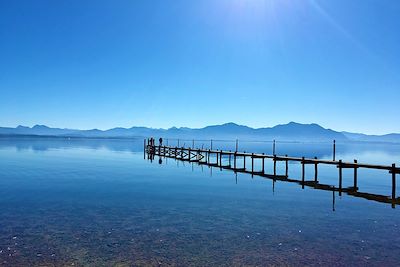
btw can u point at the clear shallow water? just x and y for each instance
(99, 202)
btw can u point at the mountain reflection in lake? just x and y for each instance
(99, 202)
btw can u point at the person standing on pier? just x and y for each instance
(160, 141)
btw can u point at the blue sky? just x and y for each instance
(102, 64)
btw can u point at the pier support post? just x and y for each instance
(355, 176)
(393, 183)
(274, 165)
(334, 150)
(244, 160)
(252, 163)
(316, 170)
(303, 172)
(340, 177)
(234, 160)
(286, 167)
(273, 148)
(230, 159)
(263, 165)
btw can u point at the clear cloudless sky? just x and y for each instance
(161, 63)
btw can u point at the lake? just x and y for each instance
(87, 202)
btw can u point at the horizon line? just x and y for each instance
(194, 128)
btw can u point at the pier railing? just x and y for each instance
(214, 158)
(234, 144)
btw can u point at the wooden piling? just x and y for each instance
(274, 165)
(355, 176)
(263, 164)
(286, 167)
(273, 148)
(393, 181)
(303, 174)
(234, 160)
(334, 150)
(340, 177)
(252, 162)
(316, 170)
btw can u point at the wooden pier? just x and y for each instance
(242, 162)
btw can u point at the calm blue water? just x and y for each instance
(99, 202)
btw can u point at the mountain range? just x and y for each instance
(285, 132)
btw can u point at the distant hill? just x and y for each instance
(285, 132)
(36, 130)
(291, 131)
(390, 138)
